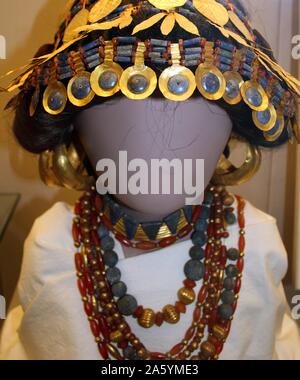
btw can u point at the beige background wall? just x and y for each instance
(28, 24)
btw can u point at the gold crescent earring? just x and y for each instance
(227, 174)
(64, 167)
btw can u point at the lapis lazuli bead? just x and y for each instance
(178, 84)
(254, 97)
(127, 305)
(81, 87)
(130, 227)
(232, 88)
(264, 116)
(138, 84)
(211, 83)
(194, 270)
(172, 221)
(102, 231)
(107, 243)
(108, 80)
(201, 225)
(55, 100)
(197, 253)
(151, 229)
(199, 238)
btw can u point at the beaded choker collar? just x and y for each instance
(111, 310)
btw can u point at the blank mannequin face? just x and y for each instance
(155, 129)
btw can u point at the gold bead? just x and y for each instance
(228, 200)
(170, 314)
(208, 349)
(147, 319)
(122, 326)
(101, 284)
(116, 336)
(142, 353)
(195, 357)
(186, 296)
(109, 306)
(219, 332)
(114, 352)
(194, 345)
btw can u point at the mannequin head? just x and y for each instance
(155, 129)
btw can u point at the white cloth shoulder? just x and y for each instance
(50, 322)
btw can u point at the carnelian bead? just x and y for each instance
(77, 209)
(241, 243)
(185, 231)
(95, 238)
(237, 287)
(89, 283)
(234, 306)
(196, 314)
(180, 307)
(123, 344)
(219, 348)
(241, 220)
(210, 230)
(106, 222)
(157, 356)
(223, 259)
(82, 287)
(79, 262)
(176, 349)
(138, 312)
(202, 294)
(95, 328)
(206, 275)
(189, 283)
(98, 203)
(190, 333)
(76, 232)
(196, 214)
(208, 251)
(103, 351)
(146, 245)
(88, 309)
(240, 264)
(104, 328)
(167, 242)
(159, 319)
(123, 240)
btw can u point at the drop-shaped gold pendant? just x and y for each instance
(234, 82)
(105, 79)
(265, 120)
(210, 82)
(80, 92)
(55, 98)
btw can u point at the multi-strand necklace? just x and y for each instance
(106, 299)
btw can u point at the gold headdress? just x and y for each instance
(235, 68)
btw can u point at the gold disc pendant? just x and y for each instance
(55, 98)
(265, 120)
(254, 95)
(80, 92)
(177, 83)
(105, 79)
(234, 82)
(274, 133)
(139, 81)
(210, 82)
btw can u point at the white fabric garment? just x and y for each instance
(50, 322)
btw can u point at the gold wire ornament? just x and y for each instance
(254, 95)
(106, 77)
(55, 98)
(210, 81)
(234, 82)
(177, 82)
(227, 174)
(274, 133)
(139, 81)
(265, 120)
(64, 167)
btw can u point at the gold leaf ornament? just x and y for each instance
(212, 10)
(102, 9)
(149, 22)
(167, 5)
(238, 23)
(186, 24)
(168, 24)
(79, 20)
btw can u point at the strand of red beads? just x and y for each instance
(110, 328)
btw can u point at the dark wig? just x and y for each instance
(43, 131)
